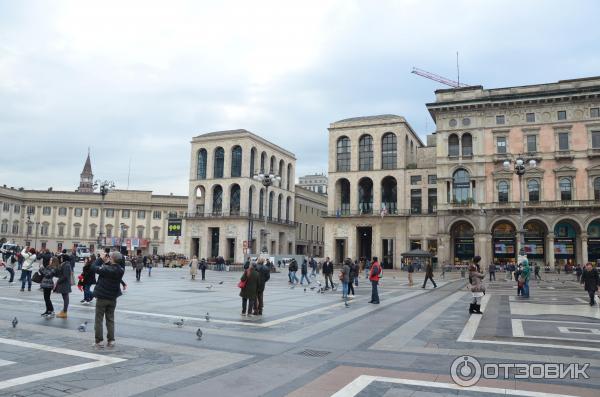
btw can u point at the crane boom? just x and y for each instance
(438, 78)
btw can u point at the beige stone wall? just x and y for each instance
(310, 224)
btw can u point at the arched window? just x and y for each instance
(503, 192)
(219, 162)
(389, 194)
(263, 161)
(234, 199)
(217, 206)
(271, 199)
(461, 185)
(281, 168)
(252, 161)
(288, 179)
(453, 145)
(365, 153)
(533, 190)
(388, 151)
(343, 154)
(272, 165)
(288, 204)
(201, 171)
(365, 196)
(467, 145)
(565, 189)
(279, 206)
(597, 189)
(261, 203)
(250, 199)
(236, 161)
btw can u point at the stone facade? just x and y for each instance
(309, 211)
(316, 183)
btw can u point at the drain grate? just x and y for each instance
(313, 353)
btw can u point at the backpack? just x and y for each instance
(377, 270)
(266, 273)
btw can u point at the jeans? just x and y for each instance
(65, 297)
(87, 293)
(350, 288)
(259, 302)
(138, 274)
(313, 272)
(344, 290)
(356, 280)
(26, 276)
(247, 303)
(203, 273)
(11, 271)
(592, 294)
(47, 300)
(366, 272)
(429, 278)
(526, 289)
(294, 278)
(149, 271)
(492, 276)
(304, 276)
(374, 292)
(329, 279)
(410, 279)
(538, 277)
(105, 307)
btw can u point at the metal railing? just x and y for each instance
(237, 214)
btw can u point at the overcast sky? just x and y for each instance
(139, 79)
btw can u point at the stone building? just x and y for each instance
(134, 220)
(382, 190)
(309, 211)
(314, 182)
(226, 205)
(558, 125)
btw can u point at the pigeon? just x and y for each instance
(220, 282)
(15, 321)
(199, 333)
(207, 317)
(304, 289)
(312, 287)
(293, 286)
(209, 287)
(179, 323)
(346, 304)
(82, 327)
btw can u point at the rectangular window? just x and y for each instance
(140, 233)
(563, 141)
(110, 212)
(61, 230)
(76, 231)
(78, 211)
(415, 244)
(155, 234)
(154, 250)
(125, 213)
(15, 228)
(561, 114)
(47, 210)
(595, 112)
(17, 209)
(531, 143)
(415, 201)
(156, 214)
(109, 232)
(92, 231)
(30, 210)
(431, 179)
(141, 214)
(530, 117)
(415, 180)
(595, 139)
(501, 145)
(30, 230)
(500, 119)
(4, 227)
(94, 212)
(432, 201)
(172, 215)
(62, 211)
(6, 207)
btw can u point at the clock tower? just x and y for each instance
(86, 177)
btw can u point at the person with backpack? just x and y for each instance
(248, 289)
(374, 276)
(264, 275)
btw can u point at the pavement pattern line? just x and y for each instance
(401, 336)
(99, 361)
(518, 332)
(360, 383)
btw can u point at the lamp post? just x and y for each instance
(520, 168)
(121, 240)
(28, 223)
(105, 187)
(267, 180)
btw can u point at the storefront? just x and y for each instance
(594, 242)
(504, 244)
(564, 245)
(463, 243)
(535, 236)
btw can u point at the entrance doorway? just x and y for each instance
(214, 242)
(196, 247)
(388, 253)
(231, 249)
(340, 250)
(365, 241)
(463, 243)
(504, 243)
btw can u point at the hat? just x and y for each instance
(246, 265)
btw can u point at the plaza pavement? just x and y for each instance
(306, 344)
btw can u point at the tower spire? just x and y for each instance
(86, 177)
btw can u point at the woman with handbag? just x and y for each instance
(249, 288)
(47, 285)
(477, 287)
(63, 284)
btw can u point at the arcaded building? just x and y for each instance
(382, 197)
(556, 124)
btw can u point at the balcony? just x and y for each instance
(593, 153)
(564, 155)
(543, 205)
(236, 215)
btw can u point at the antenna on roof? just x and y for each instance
(129, 173)
(457, 70)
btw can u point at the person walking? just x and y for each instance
(107, 290)
(411, 270)
(304, 272)
(293, 268)
(150, 265)
(476, 286)
(194, 267)
(47, 285)
(264, 275)
(374, 276)
(29, 258)
(429, 275)
(355, 273)
(203, 268)
(249, 289)
(351, 275)
(313, 267)
(63, 284)
(491, 270)
(367, 267)
(578, 272)
(345, 277)
(526, 274)
(328, 273)
(137, 263)
(517, 276)
(89, 279)
(591, 282)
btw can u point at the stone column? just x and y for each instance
(584, 249)
(550, 250)
(376, 246)
(444, 248)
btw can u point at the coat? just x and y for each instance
(28, 260)
(304, 268)
(47, 277)
(476, 280)
(108, 285)
(250, 291)
(429, 270)
(328, 267)
(375, 273)
(590, 280)
(63, 284)
(89, 277)
(345, 276)
(194, 267)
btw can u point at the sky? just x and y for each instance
(136, 80)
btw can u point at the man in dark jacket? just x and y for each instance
(106, 292)
(429, 275)
(264, 275)
(590, 281)
(328, 273)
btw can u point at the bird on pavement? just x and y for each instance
(220, 282)
(346, 304)
(304, 289)
(199, 333)
(179, 323)
(209, 286)
(15, 321)
(293, 286)
(82, 327)
(207, 317)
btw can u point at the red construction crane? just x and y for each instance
(438, 78)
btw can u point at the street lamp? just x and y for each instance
(29, 223)
(105, 187)
(267, 180)
(520, 168)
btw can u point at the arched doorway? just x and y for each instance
(593, 232)
(566, 233)
(462, 235)
(504, 243)
(535, 241)
(342, 196)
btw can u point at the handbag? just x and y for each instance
(36, 277)
(242, 283)
(341, 276)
